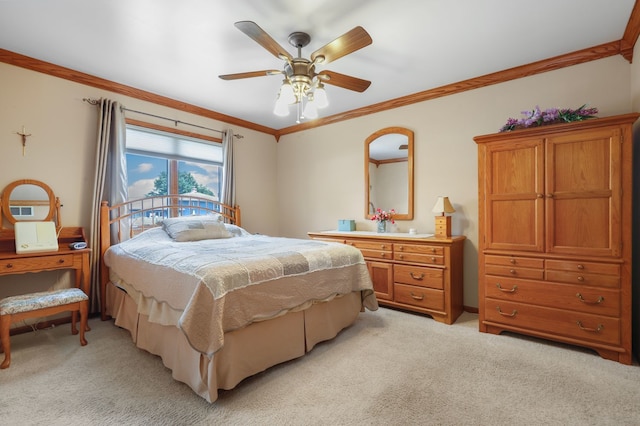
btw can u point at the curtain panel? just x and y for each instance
(110, 181)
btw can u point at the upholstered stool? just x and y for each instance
(17, 308)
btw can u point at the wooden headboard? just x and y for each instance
(132, 217)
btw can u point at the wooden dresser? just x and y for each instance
(418, 273)
(555, 233)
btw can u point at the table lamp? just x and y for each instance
(443, 222)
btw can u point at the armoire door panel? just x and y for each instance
(514, 196)
(583, 193)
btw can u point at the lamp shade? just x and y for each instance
(320, 97)
(443, 205)
(287, 95)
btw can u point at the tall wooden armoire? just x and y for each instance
(555, 216)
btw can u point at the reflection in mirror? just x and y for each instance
(389, 172)
(28, 199)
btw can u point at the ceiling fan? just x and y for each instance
(301, 84)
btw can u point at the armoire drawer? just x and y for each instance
(515, 272)
(584, 267)
(418, 275)
(419, 296)
(599, 301)
(550, 321)
(514, 261)
(596, 280)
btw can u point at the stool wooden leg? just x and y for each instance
(84, 314)
(74, 319)
(5, 325)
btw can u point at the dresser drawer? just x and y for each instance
(370, 245)
(373, 249)
(595, 280)
(515, 272)
(419, 249)
(598, 301)
(558, 322)
(39, 263)
(426, 254)
(419, 296)
(418, 275)
(520, 262)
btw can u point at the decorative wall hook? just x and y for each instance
(24, 139)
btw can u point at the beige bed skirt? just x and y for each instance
(246, 352)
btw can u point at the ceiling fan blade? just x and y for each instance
(347, 43)
(249, 74)
(344, 81)
(252, 29)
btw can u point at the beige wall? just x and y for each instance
(309, 179)
(61, 152)
(321, 171)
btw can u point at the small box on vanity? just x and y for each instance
(346, 225)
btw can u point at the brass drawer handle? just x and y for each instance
(382, 247)
(512, 261)
(504, 314)
(580, 266)
(504, 290)
(600, 300)
(400, 248)
(581, 278)
(598, 329)
(433, 249)
(433, 259)
(512, 271)
(382, 254)
(400, 256)
(421, 297)
(418, 278)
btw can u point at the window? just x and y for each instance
(160, 162)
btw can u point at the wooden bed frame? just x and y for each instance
(247, 351)
(125, 216)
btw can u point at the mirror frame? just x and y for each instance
(6, 199)
(389, 130)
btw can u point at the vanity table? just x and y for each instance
(32, 200)
(418, 272)
(65, 258)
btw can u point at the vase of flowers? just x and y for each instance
(382, 217)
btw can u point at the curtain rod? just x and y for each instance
(176, 122)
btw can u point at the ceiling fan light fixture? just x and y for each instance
(287, 94)
(320, 96)
(281, 108)
(302, 86)
(310, 110)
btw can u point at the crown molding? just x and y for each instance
(622, 47)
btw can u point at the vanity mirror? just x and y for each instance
(29, 200)
(388, 171)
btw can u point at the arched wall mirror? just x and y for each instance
(388, 171)
(29, 200)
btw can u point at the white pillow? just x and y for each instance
(195, 228)
(236, 231)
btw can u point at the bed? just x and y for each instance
(215, 302)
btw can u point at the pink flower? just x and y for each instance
(383, 216)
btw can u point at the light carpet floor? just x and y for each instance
(390, 368)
